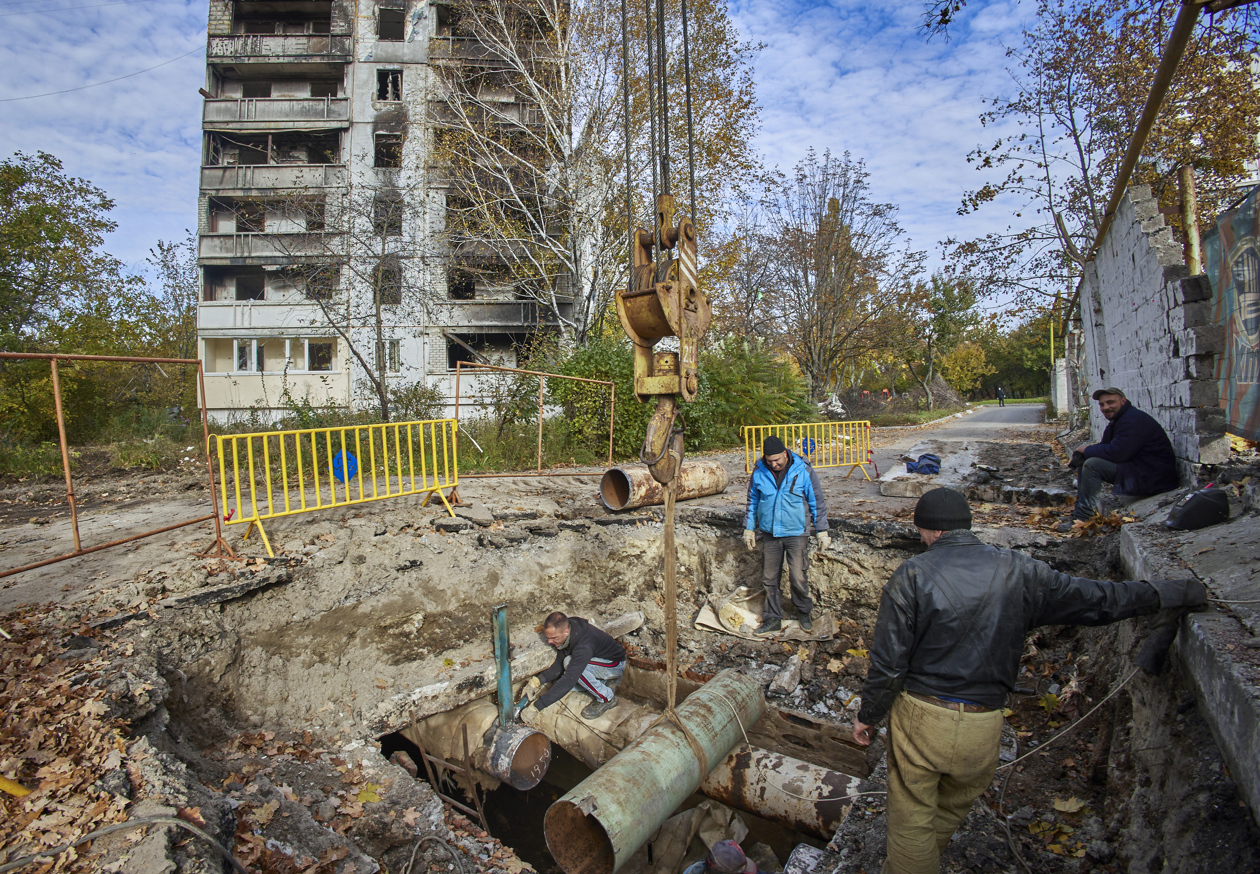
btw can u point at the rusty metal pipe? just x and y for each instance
(797, 794)
(629, 487)
(598, 825)
(516, 754)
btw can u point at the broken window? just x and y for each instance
(314, 213)
(251, 217)
(324, 88)
(387, 282)
(319, 355)
(389, 85)
(255, 89)
(249, 356)
(387, 215)
(461, 285)
(388, 150)
(322, 283)
(250, 287)
(457, 351)
(391, 352)
(258, 26)
(251, 153)
(390, 24)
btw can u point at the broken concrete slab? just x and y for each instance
(476, 513)
(956, 465)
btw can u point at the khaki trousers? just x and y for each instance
(939, 761)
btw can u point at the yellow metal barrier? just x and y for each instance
(822, 444)
(270, 474)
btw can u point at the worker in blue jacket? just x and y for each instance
(784, 495)
(1135, 455)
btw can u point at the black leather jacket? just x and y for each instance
(952, 620)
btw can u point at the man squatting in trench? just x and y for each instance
(585, 655)
(945, 655)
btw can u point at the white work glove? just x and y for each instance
(750, 538)
(824, 541)
(533, 688)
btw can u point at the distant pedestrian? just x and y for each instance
(1001, 396)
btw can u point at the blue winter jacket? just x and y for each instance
(780, 510)
(1141, 451)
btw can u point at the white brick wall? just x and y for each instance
(1147, 330)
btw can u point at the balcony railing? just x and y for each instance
(268, 47)
(243, 177)
(274, 247)
(278, 112)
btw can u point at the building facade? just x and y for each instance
(323, 260)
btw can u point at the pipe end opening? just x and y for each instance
(614, 489)
(577, 841)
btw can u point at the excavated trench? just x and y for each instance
(372, 621)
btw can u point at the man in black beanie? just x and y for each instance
(784, 495)
(945, 654)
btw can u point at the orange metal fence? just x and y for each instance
(79, 549)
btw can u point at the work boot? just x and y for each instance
(598, 708)
(807, 622)
(769, 626)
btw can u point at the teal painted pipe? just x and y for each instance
(503, 665)
(609, 815)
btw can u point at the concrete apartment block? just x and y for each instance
(1147, 330)
(319, 200)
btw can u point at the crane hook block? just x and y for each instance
(665, 302)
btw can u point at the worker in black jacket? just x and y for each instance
(1135, 455)
(945, 654)
(586, 656)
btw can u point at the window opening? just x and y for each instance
(388, 150)
(324, 88)
(457, 351)
(315, 214)
(251, 217)
(387, 218)
(256, 89)
(390, 25)
(319, 356)
(395, 356)
(389, 85)
(322, 284)
(249, 287)
(461, 285)
(259, 27)
(387, 282)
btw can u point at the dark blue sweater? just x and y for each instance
(1141, 451)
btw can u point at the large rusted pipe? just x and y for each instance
(625, 488)
(800, 795)
(516, 754)
(598, 825)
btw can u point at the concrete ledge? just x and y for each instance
(1230, 693)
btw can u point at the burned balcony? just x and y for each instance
(486, 314)
(277, 113)
(246, 162)
(275, 48)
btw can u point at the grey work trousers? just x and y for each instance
(796, 550)
(1089, 480)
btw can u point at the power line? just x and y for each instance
(106, 82)
(70, 8)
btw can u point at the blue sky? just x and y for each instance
(839, 75)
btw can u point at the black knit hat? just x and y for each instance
(772, 446)
(942, 510)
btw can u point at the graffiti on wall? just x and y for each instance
(1232, 259)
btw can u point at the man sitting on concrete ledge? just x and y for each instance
(1134, 455)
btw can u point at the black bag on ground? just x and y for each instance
(1199, 510)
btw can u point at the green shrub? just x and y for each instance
(39, 460)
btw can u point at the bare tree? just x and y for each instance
(533, 139)
(840, 264)
(363, 259)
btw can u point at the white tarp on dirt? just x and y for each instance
(739, 613)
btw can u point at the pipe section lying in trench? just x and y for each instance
(604, 819)
(626, 488)
(517, 754)
(776, 787)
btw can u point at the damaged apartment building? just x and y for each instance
(322, 210)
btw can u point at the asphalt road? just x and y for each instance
(988, 421)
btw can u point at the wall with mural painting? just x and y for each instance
(1232, 261)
